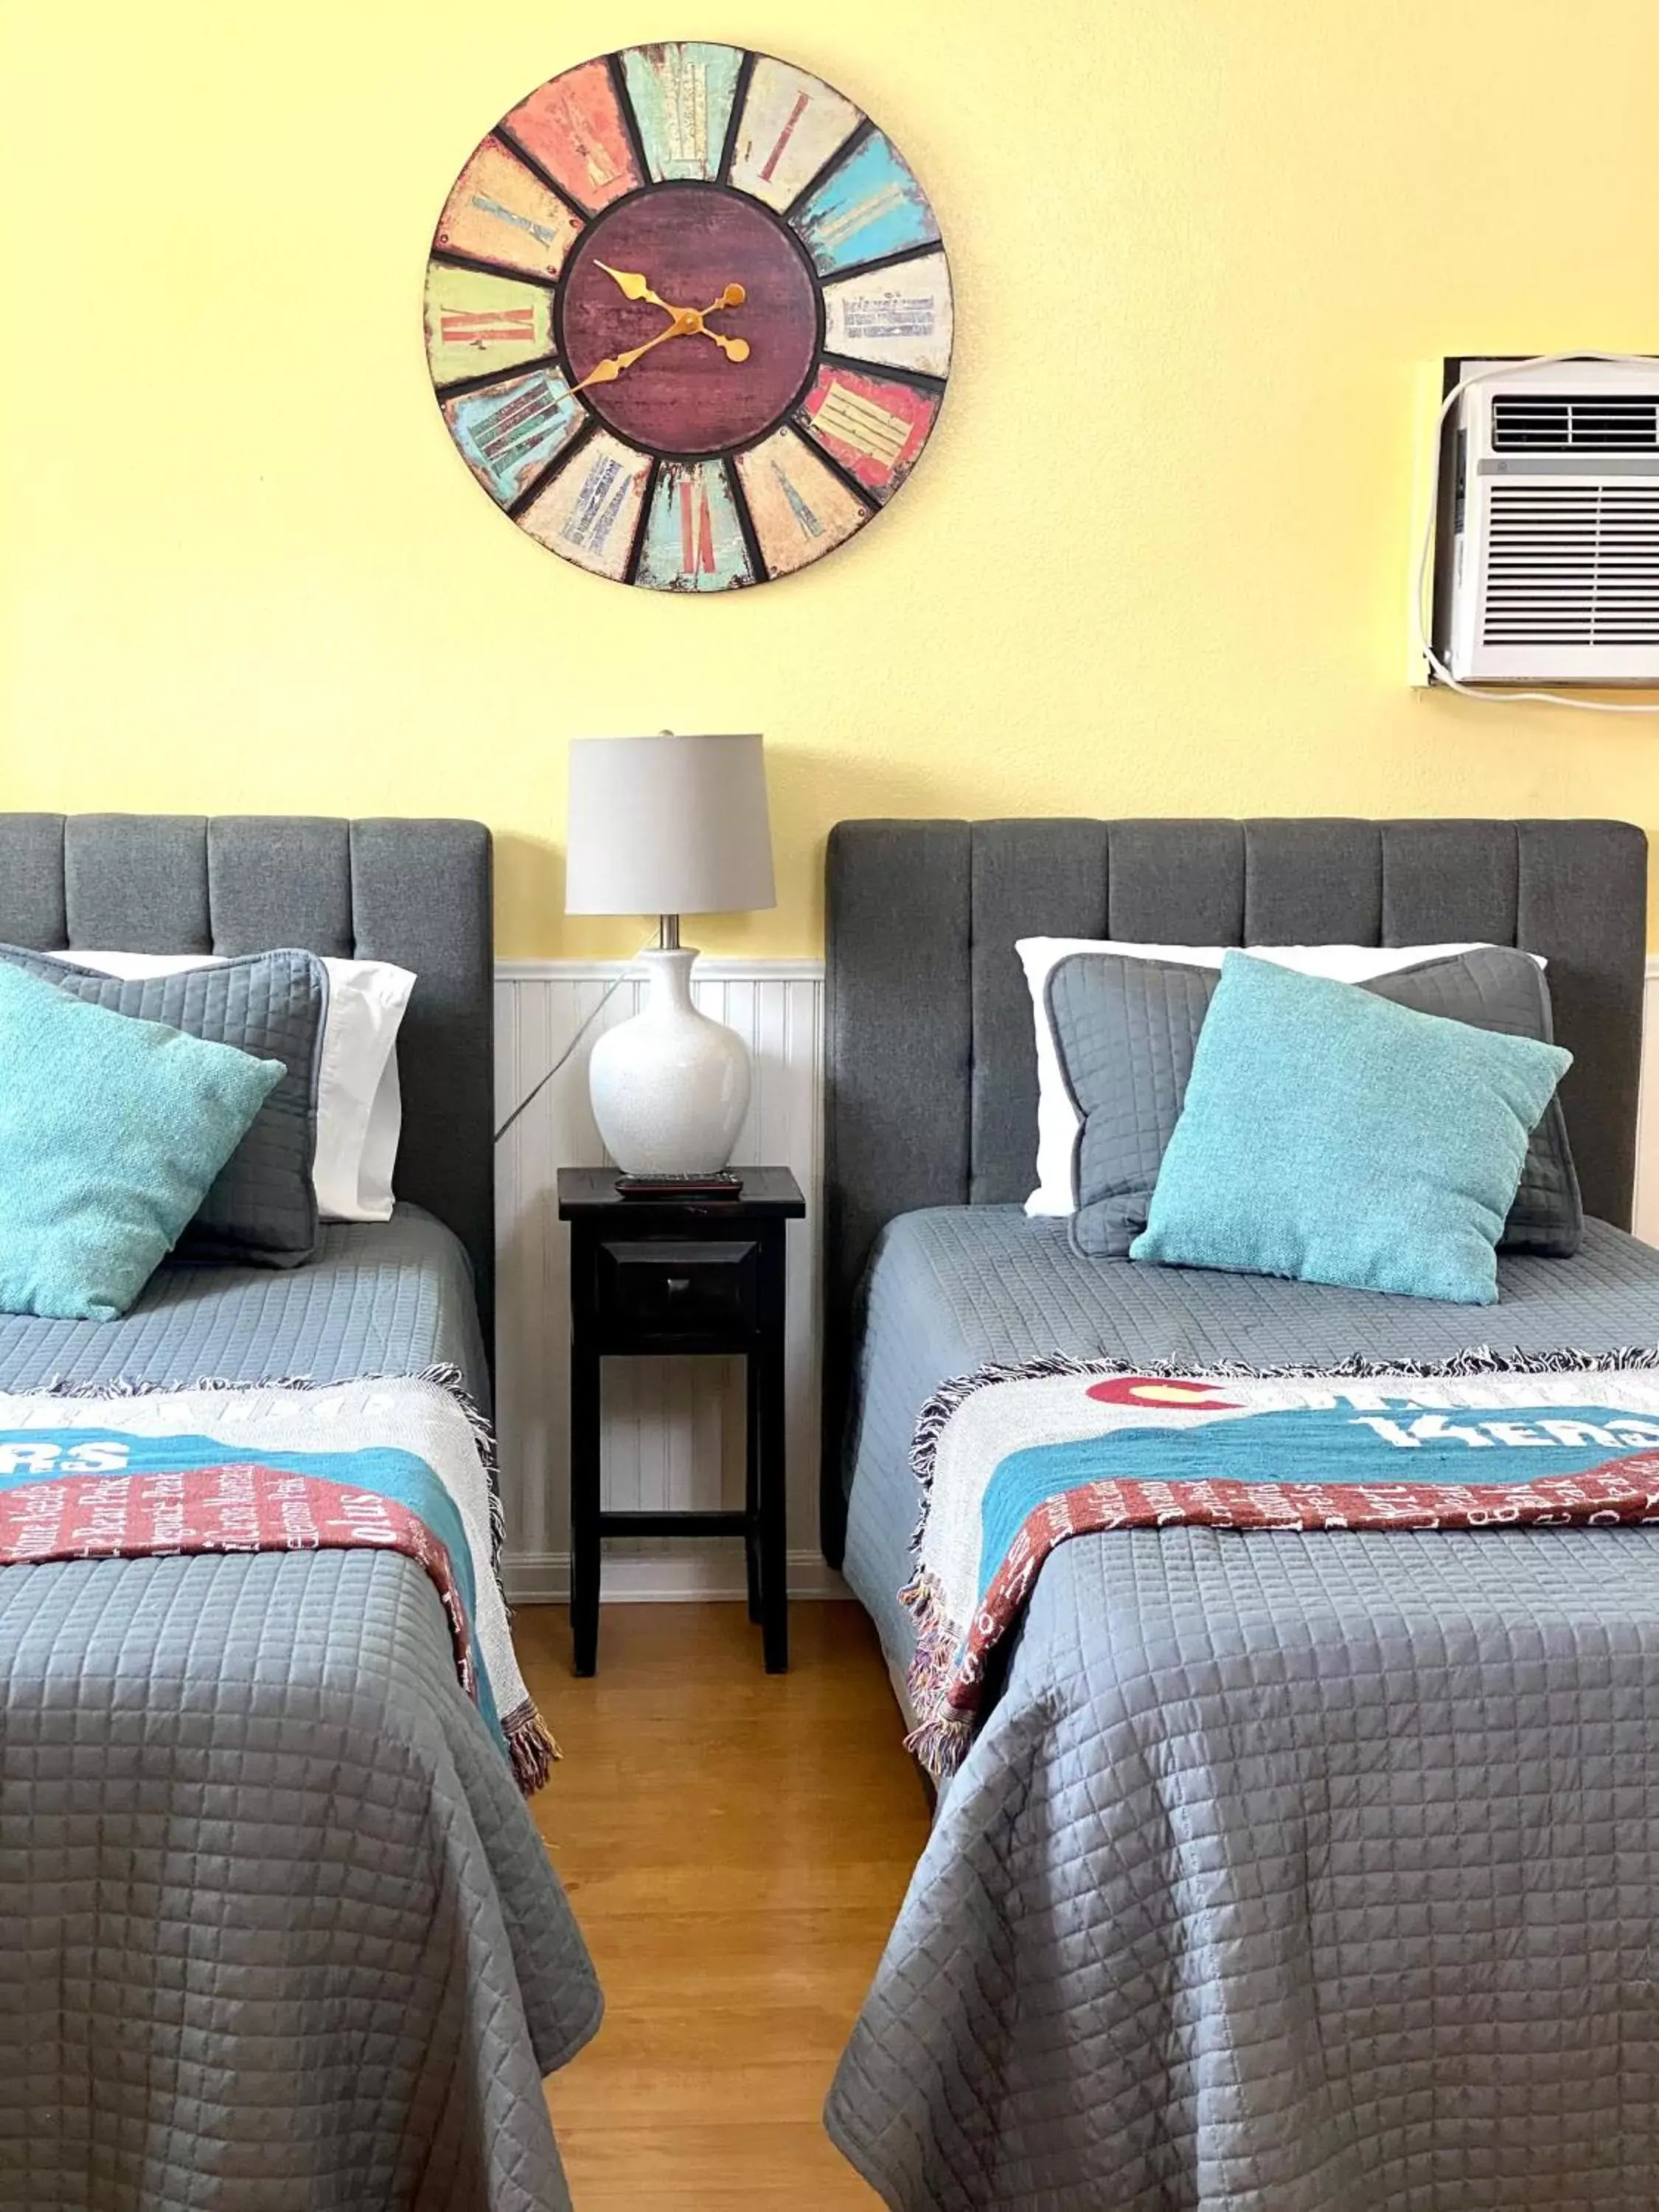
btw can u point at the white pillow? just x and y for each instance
(1057, 1118)
(359, 1107)
(359, 1103)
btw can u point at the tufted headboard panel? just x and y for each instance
(416, 892)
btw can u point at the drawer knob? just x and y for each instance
(678, 1285)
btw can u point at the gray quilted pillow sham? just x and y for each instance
(262, 1206)
(1125, 1031)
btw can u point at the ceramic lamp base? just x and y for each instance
(671, 1087)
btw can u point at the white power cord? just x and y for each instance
(604, 999)
(1504, 697)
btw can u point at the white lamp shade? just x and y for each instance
(668, 825)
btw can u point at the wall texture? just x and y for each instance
(1154, 560)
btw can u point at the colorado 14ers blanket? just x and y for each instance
(1014, 1461)
(403, 1463)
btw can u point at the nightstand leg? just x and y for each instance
(585, 1510)
(752, 1534)
(774, 1558)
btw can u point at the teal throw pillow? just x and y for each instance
(111, 1131)
(1331, 1135)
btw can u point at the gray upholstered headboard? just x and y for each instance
(932, 1077)
(415, 892)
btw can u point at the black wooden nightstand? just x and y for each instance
(671, 1274)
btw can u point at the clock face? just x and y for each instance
(688, 317)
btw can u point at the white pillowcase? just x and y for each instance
(360, 1109)
(1057, 1118)
(360, 1105)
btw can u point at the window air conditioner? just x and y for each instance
(1550, 508)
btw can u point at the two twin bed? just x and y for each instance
(279, 1930)
(1289, 1872)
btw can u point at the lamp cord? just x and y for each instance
(605, 997)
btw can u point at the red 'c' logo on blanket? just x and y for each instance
(1171, 1390)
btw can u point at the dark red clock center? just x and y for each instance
(688, 242)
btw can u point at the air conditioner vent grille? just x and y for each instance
(1573, 564)
(1575, 423)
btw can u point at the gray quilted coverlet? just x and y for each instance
(1291, 1873)
(281, 1935)
(381, 1297)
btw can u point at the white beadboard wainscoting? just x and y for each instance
(674, 1428)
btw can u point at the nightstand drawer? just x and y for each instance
(668, 1286)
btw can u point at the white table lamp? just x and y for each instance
(668, 825)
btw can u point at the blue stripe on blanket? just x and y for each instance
(1393, 1440)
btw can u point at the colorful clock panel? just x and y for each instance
(689, 317)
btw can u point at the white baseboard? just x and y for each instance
(712, 1573)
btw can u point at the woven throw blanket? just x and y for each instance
(403, 1463)
(1014, 1461)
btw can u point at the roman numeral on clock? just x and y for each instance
(486, 326)
(770, 164)
(696, 530)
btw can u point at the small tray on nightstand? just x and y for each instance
(660, 1186)
(584, 1191)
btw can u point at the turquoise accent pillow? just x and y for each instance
(111, 1131)
(1331, 1135)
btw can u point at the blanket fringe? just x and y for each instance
(940, 1743)
(938, 1747)
(531, 1747)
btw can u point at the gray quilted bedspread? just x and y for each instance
(1290, 1873)
(279, 1933)
(381, 1298)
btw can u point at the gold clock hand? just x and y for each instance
(607, 372)
(688, 322)
(734, 349)
(635, 287)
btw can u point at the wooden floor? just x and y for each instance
(736, 1846)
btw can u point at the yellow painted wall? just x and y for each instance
(1152, 562)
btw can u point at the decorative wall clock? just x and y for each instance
(688, 317)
